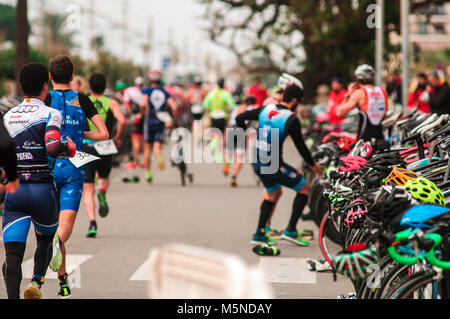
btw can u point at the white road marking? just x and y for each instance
(72, 262)
(287, 270)
(143, 272)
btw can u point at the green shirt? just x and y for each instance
(219, 103)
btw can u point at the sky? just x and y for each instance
(179, 20)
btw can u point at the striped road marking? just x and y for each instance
(143, 272)
(287, 270)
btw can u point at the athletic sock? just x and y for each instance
(297, 210)
(266, 208)
(93, 223)
(63, 278)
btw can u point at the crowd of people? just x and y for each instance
(58, 144)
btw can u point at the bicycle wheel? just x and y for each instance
(325, 229)
(420, 285)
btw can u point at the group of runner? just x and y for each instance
(53, 136)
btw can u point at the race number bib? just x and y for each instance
(163, 117)
(218, 114)
(82, 158)
(106, 147)
(197, 108)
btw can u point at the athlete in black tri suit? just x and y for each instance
(35, 129)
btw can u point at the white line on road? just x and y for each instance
(143, 272)
(73, 262)
(287, 270)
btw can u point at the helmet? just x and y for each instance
(354, 216)
(346, 142)
(155, 75)
(374, 178)
(425, 191)
(365, 72)
(351, 163)
(390, 204)
(286, 79)
(120, 85)
(384, 162)
(399, 176)
(356, 263)
(138, 80)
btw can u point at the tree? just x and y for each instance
(56, 38)
(313, 39)
(7, 23)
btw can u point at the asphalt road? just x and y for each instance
(208, 213)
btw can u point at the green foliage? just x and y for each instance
(7, 23)
(8, 61)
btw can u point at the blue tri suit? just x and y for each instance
(154, 128)
(75, 109)
(276, 119)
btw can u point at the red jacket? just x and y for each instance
(259, 92)
(414, 101)
(334, 100)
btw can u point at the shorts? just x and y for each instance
(235, 143)
(219, 124)
(154, 133)
(37, 203)
(285, 176)
(197, 116)
(197, 111)
(69, 182)
(103, 166)
(137, 128)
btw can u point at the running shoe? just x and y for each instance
(351, 295)
(130, 166)
(133, 179)
(33, 291)
(190, 178)
(92, 232)
(56, 261)
(160, 162)
(64, 287)
(233, 182)
(307, 234)
(319, 265)
(148, 177)
(294, 238)
(273, 234)
(225, 170)
(259, 239)
(266, 250)
(103, 208)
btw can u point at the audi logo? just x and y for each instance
(25, 109)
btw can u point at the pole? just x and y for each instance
(379, 39)
(22, 49)
(404, 17)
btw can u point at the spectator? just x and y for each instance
(258, 91)
(439, 94)
(394, 88)
(336, 97)
(415, 100)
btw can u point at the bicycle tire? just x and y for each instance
(408, 285)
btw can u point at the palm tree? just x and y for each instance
(56, 37)
(22, 50)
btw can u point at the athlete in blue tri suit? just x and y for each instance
(75, 108)
(276, 123)
(35, 129)
(158, 107)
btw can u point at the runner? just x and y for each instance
(219, 104)
(132, 98)
(235, 147)
(75, 109)
(35, 129)
(282, 121)
(158, 107)
(371, 102)
(195, 97)
(108, 109)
